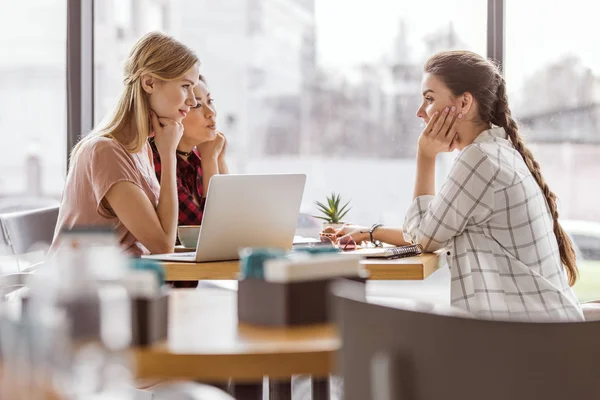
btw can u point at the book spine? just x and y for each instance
(319, 267)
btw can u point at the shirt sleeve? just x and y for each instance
(466, 196)
(110, 164)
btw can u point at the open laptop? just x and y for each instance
(245, 211)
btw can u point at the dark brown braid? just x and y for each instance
(464, 71)
(502, 117)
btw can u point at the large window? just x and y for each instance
(33, 103)
(325, 87)
(554, 87)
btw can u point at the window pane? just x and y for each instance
(589, 246)
(553, 89)
(325, 87)
(33, 103)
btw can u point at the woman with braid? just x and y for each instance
(495, 214)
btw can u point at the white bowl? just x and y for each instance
(188, 235)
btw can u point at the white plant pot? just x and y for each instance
(334, 226)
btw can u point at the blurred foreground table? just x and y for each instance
(206, 343)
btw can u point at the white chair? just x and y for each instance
(591, 310)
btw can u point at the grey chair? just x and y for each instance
(389, 353)
(25, 232)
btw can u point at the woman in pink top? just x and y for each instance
(111, 179)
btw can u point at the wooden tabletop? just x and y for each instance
(409, 268)
(15, 385)
(207, 343)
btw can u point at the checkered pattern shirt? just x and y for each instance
(493, 220)
(189, 181)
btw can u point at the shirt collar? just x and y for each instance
(490, 134)
(193, 160)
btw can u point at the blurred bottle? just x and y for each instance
(82, 283)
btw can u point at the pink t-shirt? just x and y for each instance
(100, 164)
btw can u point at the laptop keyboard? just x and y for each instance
(179, 255)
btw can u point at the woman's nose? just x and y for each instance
(210, 110)
(191, 100)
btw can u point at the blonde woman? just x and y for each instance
(111, 180)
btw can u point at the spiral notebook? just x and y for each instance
(390, 253)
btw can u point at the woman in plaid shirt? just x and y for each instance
(200, 155)
(495, 214)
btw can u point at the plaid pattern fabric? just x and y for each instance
(189, 181)
(493, 220)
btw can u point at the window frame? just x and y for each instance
(80, 71)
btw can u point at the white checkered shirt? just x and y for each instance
(493, 220)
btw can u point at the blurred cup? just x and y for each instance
(188, 235)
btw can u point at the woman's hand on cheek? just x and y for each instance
(212, 148)
(440, 134)
(224, 148)
(167, 134)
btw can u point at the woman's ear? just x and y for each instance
(466, 102)
(148, 83)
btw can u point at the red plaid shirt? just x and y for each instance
(189, 181)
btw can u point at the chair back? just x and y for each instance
(24, 230)
(390, 353)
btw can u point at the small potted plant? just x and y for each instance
(331, 213)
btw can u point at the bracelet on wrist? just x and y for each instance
(377, 243)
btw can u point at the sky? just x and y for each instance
(537, 31)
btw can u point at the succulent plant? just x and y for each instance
(332, 212)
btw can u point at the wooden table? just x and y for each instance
(409, 268)
(206, 343)
(17, 386)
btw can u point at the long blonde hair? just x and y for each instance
(160, 56)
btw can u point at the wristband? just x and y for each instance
(377, 243)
